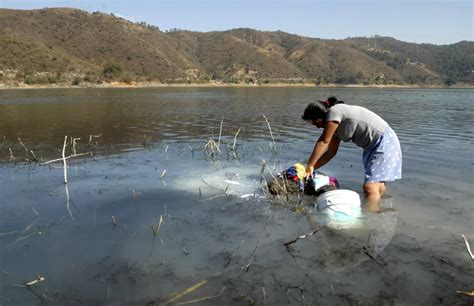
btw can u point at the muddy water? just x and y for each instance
(220, 235)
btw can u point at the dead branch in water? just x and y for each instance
(135, 195)
(232, 148)
(215, 197)
(264, 186)
(206, 298)
(39, 279)
(30, 288)
(9, 233)
(24, 147)
(262, 170)
(301, 237)
(177, 296)
(235, 139)
(468, 247)
(27, 152)
(25, 230)
(67, 157)
(234, 253)
(96, 143)
(73, 143)
(68, 201)
(94, 136)
(34, 155)
(156, 228)
(209, 185)
(12, 157)
(64, 160)
(20, 239)
(271, 134)
(220, 133)
(366, 252)
(260, 238)
(225, 191)
(465, 292)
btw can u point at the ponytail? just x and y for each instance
(319, 109)
(331, 101)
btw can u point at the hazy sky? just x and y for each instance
(427, 21)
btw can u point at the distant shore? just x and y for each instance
(221, 84)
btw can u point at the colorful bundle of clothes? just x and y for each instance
(295, 173)
(315, 185)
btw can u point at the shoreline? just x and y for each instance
(223, 85)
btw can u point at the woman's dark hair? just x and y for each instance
(319, 109)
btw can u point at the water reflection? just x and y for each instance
(126, 116)
(375, 229)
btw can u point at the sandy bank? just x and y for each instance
(220, 84)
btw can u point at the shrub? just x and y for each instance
(52, 79)
(449, 82)
(112, 70)
(35, 79)
(128, 78)
(90, 77)
(76, 81)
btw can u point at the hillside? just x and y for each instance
(70, 46)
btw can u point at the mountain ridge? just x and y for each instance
(71, 46)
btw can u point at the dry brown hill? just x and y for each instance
(74, 41)
(72, 46)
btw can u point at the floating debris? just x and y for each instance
(39, 279)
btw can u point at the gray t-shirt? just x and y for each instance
(356, 123)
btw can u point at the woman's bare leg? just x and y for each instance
(372, 195)
(382, 189)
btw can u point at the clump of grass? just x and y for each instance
(212, 148)
(29, 157)
(280, 187)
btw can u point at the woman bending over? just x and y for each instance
(382, 155)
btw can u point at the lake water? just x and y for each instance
(151, 216)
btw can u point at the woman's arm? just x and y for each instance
(330, 153)
(321, 146)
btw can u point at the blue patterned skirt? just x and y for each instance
(383, 160)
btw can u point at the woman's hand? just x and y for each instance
(309, 172)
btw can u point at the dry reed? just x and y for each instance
(271, 134)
